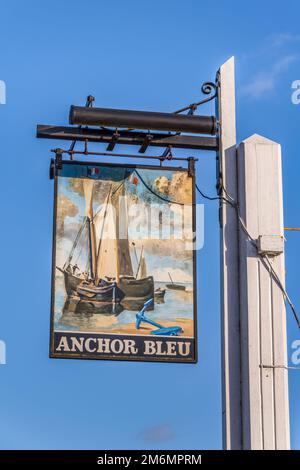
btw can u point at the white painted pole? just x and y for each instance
(265, 401)
(231, 390)
(254, 349)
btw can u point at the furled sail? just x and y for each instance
(142, 273)
(119, 202)
(105, 224)
(109, 244)
(88, 186)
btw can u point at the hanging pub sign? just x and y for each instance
(123, 282)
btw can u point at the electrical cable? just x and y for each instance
(263, 366)
(264, 258)
(216, 198)
(268, 265)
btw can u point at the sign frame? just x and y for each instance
(128, 357)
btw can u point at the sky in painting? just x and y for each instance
(132, 55)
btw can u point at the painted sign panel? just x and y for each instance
(123, 281)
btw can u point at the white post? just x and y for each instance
(265, 401)
(231, 390)
(254, 352)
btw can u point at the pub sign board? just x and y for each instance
(124, 274)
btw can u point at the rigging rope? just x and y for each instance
(69, 259)
(155, 194)
(80, 251)
(112, 193)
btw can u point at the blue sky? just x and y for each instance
(141, 55)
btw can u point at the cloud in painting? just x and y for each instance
(100, 188)
(177, 274)
(71, 230)
(65, 208)
(164, 248)
(178, 188)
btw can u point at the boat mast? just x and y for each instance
(170, 278)
(135, 254)
(102, 230)
(88, 186)
(124, 264)
(90, 249)
(139, 265)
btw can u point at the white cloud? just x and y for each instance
(283, 64)
(265, 82)
(268, 62)
(258, 86)
(281, 39)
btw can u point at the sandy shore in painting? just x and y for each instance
(130, 328)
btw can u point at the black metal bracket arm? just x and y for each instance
(114, 140)
(125, 127)
(58, 159)
(127, 137)
(56, 163)
(191, 166)
(208, 88)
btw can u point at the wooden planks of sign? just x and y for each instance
(124, 265)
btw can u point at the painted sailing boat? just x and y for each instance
(72, 276)
(88, 285)
(140, 287)
(102, 285)
(159, 293)
(173, 285)
(109, 276)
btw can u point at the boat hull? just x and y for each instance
(76, 310)
(137, 288)
(159, 295)
(133, 291)
(71, 283)
(106, 293)
(175, 286)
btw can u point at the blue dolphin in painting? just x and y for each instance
(163, 331)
